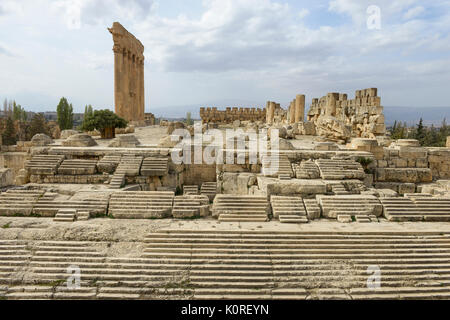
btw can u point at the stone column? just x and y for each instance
(292, 113)
(272, 106)
(118, 69)
(331, 104)
(142, 83)
(299, 108)
(267, 112)
(125, 86)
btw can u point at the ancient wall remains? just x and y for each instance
(212, 115)
(339, 119)
(128, 74)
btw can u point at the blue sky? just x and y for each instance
(226, 51)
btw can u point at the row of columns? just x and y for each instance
(129, 85)
(296, 111)
(129, 92)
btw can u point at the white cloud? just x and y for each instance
(249, 49)
(414, 12)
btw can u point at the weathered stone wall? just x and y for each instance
(339, 119)
(128, 74)
(231, 114)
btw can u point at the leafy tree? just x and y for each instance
(88, 112)
(38, 125)
(19, 113)
(9, 135)
(104, 121)
(188, 119)
(64, 112)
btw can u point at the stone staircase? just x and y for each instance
(130, 165)
(109, 163)
(353, 205)
(276, 165)
(298, 265)
(153, 166)
(193, 190)
(209, 189)
(421, 208)
(19, 202)
(14, 257)
(307, 170)
(339, 189)
(225, 264)
(190, 206)
(77, 167)
(340, 169)
(288, 209)
(65, 215)
(313, 210)
(44, 164)
(117, 181)
(233, 208)
(50, 208)
(141, 205)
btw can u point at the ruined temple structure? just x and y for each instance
(128, 74)
(339, 119)
(229, 115)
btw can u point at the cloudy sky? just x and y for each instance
(219, 51)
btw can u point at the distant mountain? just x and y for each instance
(412, 115)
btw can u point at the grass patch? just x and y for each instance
(6, 226)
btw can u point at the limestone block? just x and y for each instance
(344, 218)
(407, 175)
(230, 183)
(67, 133)
(40, 140)
(406, 188)
(382, 164)
(172, 126)
(79, 140)
(243, 181)
(448, 142)
(128, 141)
(167, 142)
(422, 163)
(407, 143)
(6, 177)
(400, 163)
(285, 145)
(412, 152)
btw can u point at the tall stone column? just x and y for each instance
(292, 113)
(331, 104)
(128, 74)
(267, 112)
(299, 108)
(118, 77)
(142, 92)
(272, 106)
(125, 86)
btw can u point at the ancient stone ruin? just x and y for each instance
(129, 94)
(148, 215)
(339, 119)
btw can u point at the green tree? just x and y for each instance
(188, 119)
(64, 112)
(19, 113)
(88, 112)
(9, 134)
(104, 121)
(420, 132)
(38, 125)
